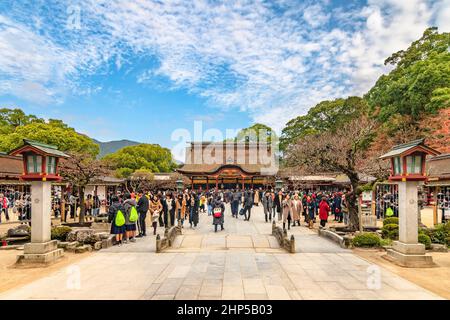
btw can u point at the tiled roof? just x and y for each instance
(10, 166)
(212, 168)
(402, 148)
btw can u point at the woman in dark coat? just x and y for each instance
(218, 204)
(194, 206)
(169, 207)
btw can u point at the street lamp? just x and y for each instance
(408, 170)
(40, 166)
(180, 185)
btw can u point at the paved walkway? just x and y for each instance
(241, 262)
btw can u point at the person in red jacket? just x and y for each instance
(324, 209)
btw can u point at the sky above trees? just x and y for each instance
(141, 69)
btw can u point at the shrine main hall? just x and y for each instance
(229, 165)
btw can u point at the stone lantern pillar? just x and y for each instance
(40, 164)
(408, 170)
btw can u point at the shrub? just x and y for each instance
(390, 231)
(366, 239)
(440, 233)
(60, 232)
(385, 242)
(426, 240)
(390, 220)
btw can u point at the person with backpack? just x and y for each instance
(131, 217)
(116, 217)
(218, 213)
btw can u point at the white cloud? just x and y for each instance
(272, 64)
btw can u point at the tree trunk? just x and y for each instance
(352, 199)
(82, 204)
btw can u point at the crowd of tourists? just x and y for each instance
(18, 203)
(128, 211)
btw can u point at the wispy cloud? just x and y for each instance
(272, 60)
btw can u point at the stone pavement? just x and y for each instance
(241, 262)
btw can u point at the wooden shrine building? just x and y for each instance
(229, 165)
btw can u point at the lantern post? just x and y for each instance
(40, 167)
(408, 171)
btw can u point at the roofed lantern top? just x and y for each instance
(40, 161)
(408, 160)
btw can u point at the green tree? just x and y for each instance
(327, 115)
(10, 119)
(53, 132)
(415, 85)
(142, 156)
(256, 133)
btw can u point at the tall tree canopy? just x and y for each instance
(342, 149)
(420, 81)
(255, 133)
(324, 116)
(19, 126)
(143, 156)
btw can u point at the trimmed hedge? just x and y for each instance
(60, 232)
(366, 240)
(441, 233)
(390, 231)
(390, 220)
(426, 240)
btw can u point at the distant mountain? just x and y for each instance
(112, 146)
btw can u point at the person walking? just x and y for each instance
(287, 211)
(169, 207)
(117, 219)
(4, 205)
(257, 197)
(209, 203)
(337, 207)
(324, 210)
(155, 208)
(142, 208)
(345, 216)
(131, 217)
(278, 204)
(297, 209)
(267, 202)
(218, 213)
(310, 203)
(73, 206)
(235, 199)
(202, 202)
(88, 205)
(248, 204)
(193, 216)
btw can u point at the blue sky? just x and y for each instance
(141, 69)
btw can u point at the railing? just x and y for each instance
(282, 238)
